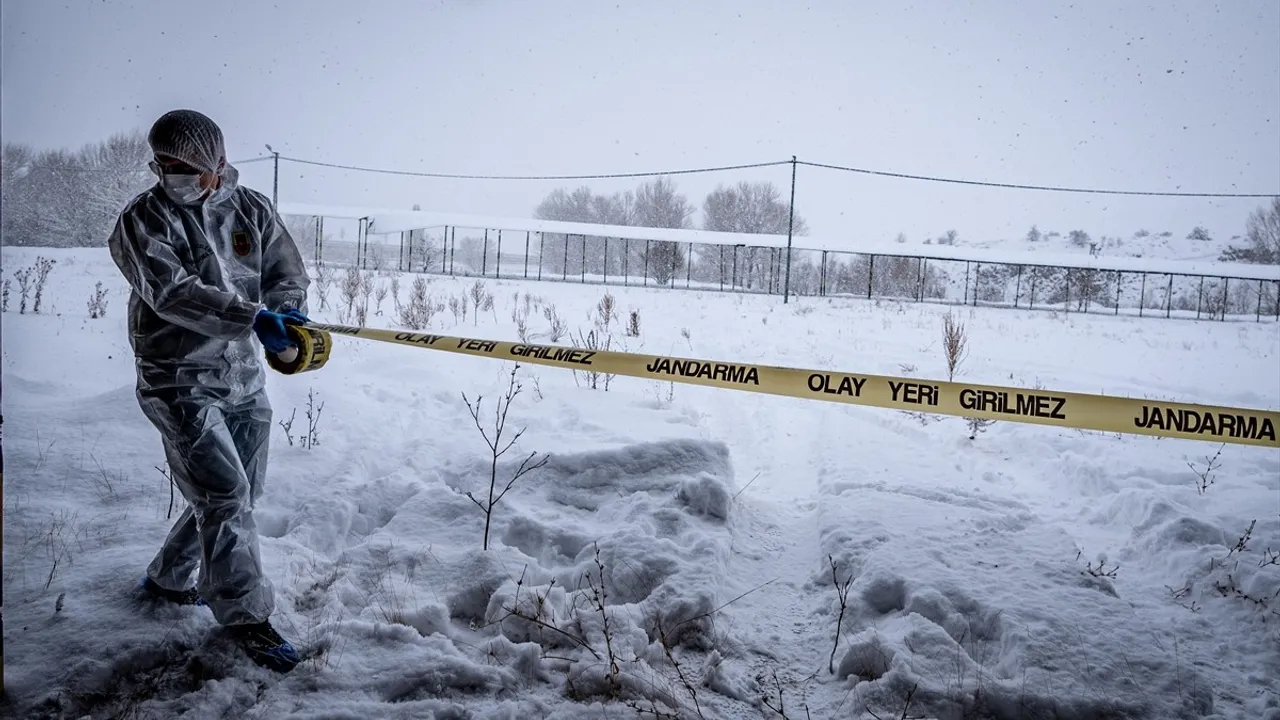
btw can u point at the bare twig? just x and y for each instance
(287, 425)
(744, 487)
(1240, 545)
(842, 592)
(1206, 475)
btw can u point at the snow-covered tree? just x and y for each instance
(1199, 234)
(1263, 235)
(659, 205)
(62, 198)
(749, 208)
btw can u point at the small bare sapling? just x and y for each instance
(5, 306)
(324, 281)
(596, 341)
(498, 446)
(606, 312)
(520, 316)
(481, 299)
(43, 267)
(349, 290)
(24, 278)
(633, 324)
(98, 302)
(842, 594)
(312, 438)
(558, 326)
(421, 308)
(977, 425)
(954, 344)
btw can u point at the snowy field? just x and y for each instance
(686, 551)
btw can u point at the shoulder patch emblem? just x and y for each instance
(240, 242)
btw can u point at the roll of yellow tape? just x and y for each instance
(313, 351)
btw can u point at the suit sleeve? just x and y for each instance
(141, 245)
(284, 273)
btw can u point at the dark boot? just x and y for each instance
(265, 646)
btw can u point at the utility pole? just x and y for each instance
(791, 217)
(275, 179)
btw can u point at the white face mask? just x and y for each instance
(184, 189)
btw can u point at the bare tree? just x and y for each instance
(749, 208)
(659, 205)
(65, 198)
(1263, 235)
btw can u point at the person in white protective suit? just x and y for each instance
(211, 266)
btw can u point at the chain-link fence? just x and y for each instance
(534, 255)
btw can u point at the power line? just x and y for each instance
(1049, 188)
(600, 176)
(83, 169)
(722, 168)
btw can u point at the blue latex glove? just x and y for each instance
(296, 317)
(269, 327)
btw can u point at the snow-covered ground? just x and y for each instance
(1153, 243)
(1032, 572)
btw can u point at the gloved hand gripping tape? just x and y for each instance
(313, 347)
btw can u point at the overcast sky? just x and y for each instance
(1159, 96)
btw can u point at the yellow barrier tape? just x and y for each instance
(1041, 407)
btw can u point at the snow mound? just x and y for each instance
(640, 571)
(983, 631)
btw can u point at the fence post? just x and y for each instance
(1068, 307)
(1199, 297)
(1031, 304)
(1119, 281)
(1142, 297)
(584, 258)
(542, 251)
(526, 253)
(791, 216)
(733, 282)
(362, 243)
(453, 250)
(822, 276)
(1277, 300)
(722, 278)
(688, 267)
(564, 271)
(1168, 299)
(675, 262)
(1226, 282)
(646, 263)
(400, 257)
(626, 260)
(871, 274)
(1258, 317)
(319, 239)
(484, 255)
(965, 301)
(977, 280)
(1017, 288)
(497, 258)
(773, 258)
(606, 261)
